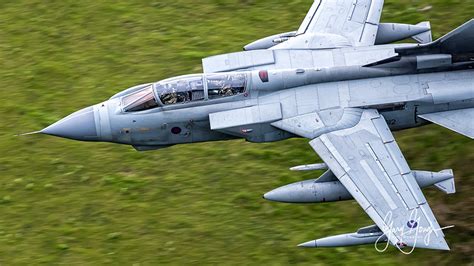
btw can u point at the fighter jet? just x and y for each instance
(339, 81)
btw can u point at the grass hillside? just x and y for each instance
(66, 202)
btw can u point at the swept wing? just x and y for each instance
(343, 22)
(368, 162)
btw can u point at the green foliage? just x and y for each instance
(64, 202)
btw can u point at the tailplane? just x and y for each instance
(459, 121)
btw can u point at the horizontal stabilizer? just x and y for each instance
(460, 121)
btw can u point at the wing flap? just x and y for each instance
(375, 12)
(384, 162)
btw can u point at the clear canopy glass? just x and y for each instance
(186, 89)
(180, 90)
(140, 101)
(225, 85)
(191, 88)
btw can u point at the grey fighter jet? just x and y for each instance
(339, 81)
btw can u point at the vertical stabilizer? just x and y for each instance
(458, 41)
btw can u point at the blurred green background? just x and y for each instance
(66, 202)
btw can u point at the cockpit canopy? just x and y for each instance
(186, 89)
(225, 85)
(180, 90)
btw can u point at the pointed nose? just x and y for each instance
(78, 126)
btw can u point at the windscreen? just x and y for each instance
(140, 101)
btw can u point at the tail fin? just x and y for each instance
(447, 186)
(424, 37)
(458, 41)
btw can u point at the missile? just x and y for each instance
(310, 167)
(367, 235)
(328, 188)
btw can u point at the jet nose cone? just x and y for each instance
(78, 126)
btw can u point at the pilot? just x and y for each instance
(226, 91)
(170, 98)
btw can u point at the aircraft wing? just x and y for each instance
(368, 162)
(356, 20)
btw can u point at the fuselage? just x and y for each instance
(177, 110)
